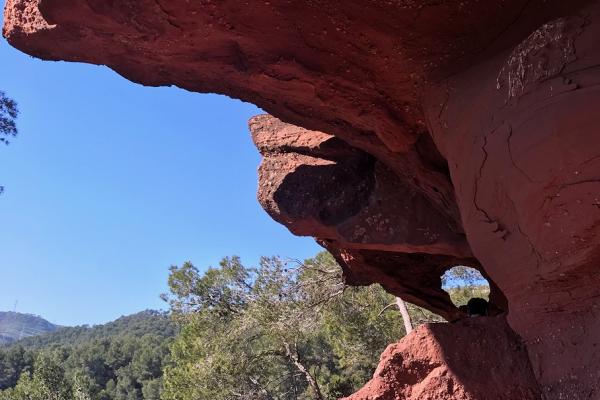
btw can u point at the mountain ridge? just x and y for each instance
(15, 326)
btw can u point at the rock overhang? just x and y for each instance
(476, 117)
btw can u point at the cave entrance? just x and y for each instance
(463, 283)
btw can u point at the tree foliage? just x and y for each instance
(283, 330)
(464, 283)
(122, 360)
(8, 115)
(8, 125)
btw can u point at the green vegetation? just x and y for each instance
(283, 330)
(122, 360)
(8, 125)
(15, 326)
(8, 115)
(464, 283)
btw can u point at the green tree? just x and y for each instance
(8, 115)
(46, 383)
(13, 362)
(464, 283)
(120, 360)
(283, 330)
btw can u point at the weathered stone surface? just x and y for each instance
(318, 185)
(520, 133)
(380, 229)
(465, 360)
(456, 131)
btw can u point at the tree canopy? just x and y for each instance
(283, 330)
(8, 115)
(122, 360)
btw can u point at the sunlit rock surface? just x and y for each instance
(433, 133)
(464, 360)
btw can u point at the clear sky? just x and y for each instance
(109, 183)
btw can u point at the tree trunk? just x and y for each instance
(312, 382)
(405, 315)
(261, 388)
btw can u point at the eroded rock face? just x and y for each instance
(379, 228)
(465, 360)
(434, 133)
(520, 134)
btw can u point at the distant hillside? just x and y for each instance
(123, 359)
(138, 324)
(15, 326)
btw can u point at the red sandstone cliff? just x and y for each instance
(456, 132)
(465, 360)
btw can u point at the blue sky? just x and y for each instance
(109, 183)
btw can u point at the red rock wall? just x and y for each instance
(474, 359)
(520, 133)
(380, 229)
(456, 132)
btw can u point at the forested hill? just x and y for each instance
(140, 324)
(15, 326)
(121, 360)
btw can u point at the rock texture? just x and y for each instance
(433, 133)
(466, 360)
(380, 229)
